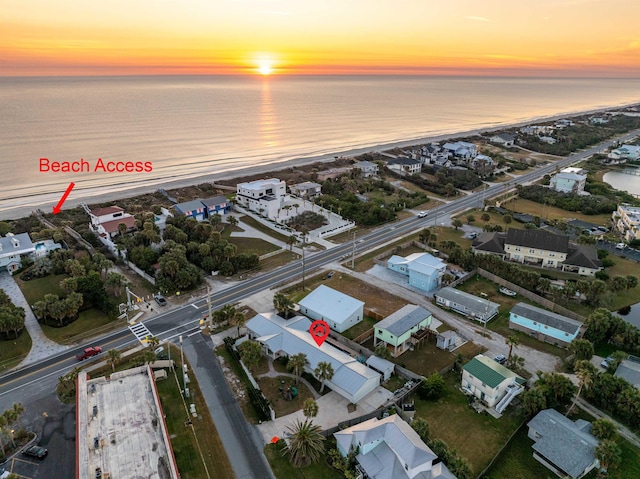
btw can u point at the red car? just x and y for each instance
(88, 352)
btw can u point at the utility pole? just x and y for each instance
(303, 243)
(184, 383)
(353, 252)
(210, 317)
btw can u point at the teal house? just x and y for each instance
(395, 331)
(544, 325)
(424, 270)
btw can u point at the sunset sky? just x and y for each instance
(490, 37)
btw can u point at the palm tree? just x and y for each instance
(297, 363)
(310, 408)
(324, 372)
(512, 342)
(305, 443)
(609, 454)
(585, 372)
(233, 221)
(152, 342)
(284, 306)
(215, 220)
(291, 241)
(238, 319)
(251, 353)
(224, 314)
(113, 357)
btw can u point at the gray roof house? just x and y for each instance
(367, 168)
(308, 189)
(564, 446)
(280, 337)
(339, 310)
(629, 370)
(544, 325)
(396, 330)
(390, 449)
(12, 247)
(467, 304)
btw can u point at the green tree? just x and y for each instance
(382, 351)
(233, 221)
(432, 387)
(283, 305)
(251, 353)
(297, 363)
(507, 219)
(485, 217)
(306, 444)
(292, 240)
(582, 349)
(585, 371)
(224, 314)
(470, 219)
(421, 426)
(238, 320)
(618, 283)
(609, 454)
(113, 357)
(603, 429)
(457, 223)
(632, 281)
(310, 408)
(534, 400)
(324, 372)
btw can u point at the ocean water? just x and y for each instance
(195, 126)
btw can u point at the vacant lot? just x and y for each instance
(548, 212)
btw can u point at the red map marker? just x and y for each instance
(319, 330)
(56, 208)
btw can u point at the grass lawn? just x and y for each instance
(496, 219)
(374, 298)
(253, 245)
(446, 233)
(35, 289)
(248, 220)
(624, 267)
(189, 442)
(270, 388)
(551, 212)
(89, 323)
(12, 351)
(500, 323)
(478, 437)
(362, 327)
(283, 469)
(277, 260)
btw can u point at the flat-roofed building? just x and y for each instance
(120, 428)
(479, 309)
(544, 325)
(626, 219)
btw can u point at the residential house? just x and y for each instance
(536, 130)
(625, 152)
(441, 161)
(339, 310)
(307, 190)
(397, 329)
(265, 197)
(461, 149)
(389, 448)
(482, 164)
(503, 139)
(563, 123)
(367, 168)
(549, 140)
(489, 243)
(582, 260)
(424, 270)
(42, 248)
(564, 446)
(279, 337)
(194, 209)
(569, 180)
(491, 382)
(105, 222)
(544, 325)
(598, 120)
(405, 165)
(333, 173)
(626, 219)
(479, 309)
(218, 205)
(629, 370)
(12, 248)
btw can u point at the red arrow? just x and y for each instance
(56, 208)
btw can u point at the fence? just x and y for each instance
(550, 305)
(141, 273)
(375, 315)
(269, 255)
(352, 422)
(484, 471)
(364, 336)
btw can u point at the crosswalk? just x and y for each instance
(140, 331)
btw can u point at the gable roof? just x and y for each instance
(629, 371)
(567, 444)
(215, 201)
(467, 300)
(553, 320)
(490, 242)
(109, 210)
(8, 244)
(505, 136)
(189, 206)
(292, 337)
(399, 445)
(580, 255)
(538, 239)
(403, 161)
(490, 372)
(380, 364)
(332, 304)
(404, 319)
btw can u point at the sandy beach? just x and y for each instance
(21, 207)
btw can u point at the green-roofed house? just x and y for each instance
(491, 382)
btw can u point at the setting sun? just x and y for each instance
(265, 67)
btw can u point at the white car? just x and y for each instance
(423, 214)
(620, 246)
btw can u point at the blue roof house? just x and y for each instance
(424, 270)
(339, 310)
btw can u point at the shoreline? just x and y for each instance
(46, 201)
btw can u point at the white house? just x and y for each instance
(105, 222)
(308, 189)
(367, 168)
(625, 152)
(339, 310)
(491, 382)
(389, 448)
(536, 130)
(263, 196)
(549, 140)
(563, 123)
(626, 220)
(12, 248)
(279, 337)
(461, 149)
(405, 165)
(504, 139)
(569, 180)
(476, 308)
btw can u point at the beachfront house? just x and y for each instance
(625, 153)
(405, 165)
(339, 310)
(564, 446)
(193, 209)
(490, 382)
(367, 168)
(105, 222)
(461, 149)
(12, 248)
(279, 337)
(389, 448)
(504, 139)
(569, 180)
(626, 219)
(265, 197)
(536, 130)
(544, 325)
(306, 190)
(549, 140)
(424, 270)
(564, 123)
(478, 309)
(396, 330)
(218, 205)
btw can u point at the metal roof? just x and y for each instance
(189, 206)
(553, 320)
(404, 319)
(490, 372)
(467, 300)
(331, 304)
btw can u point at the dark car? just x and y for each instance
(35, 451)
(160, 300)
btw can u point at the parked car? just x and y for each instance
(89, 352)
(500, 359)
(606, 362)
(620, 246)
(473, 235)
(160, 300)
(35, 451)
